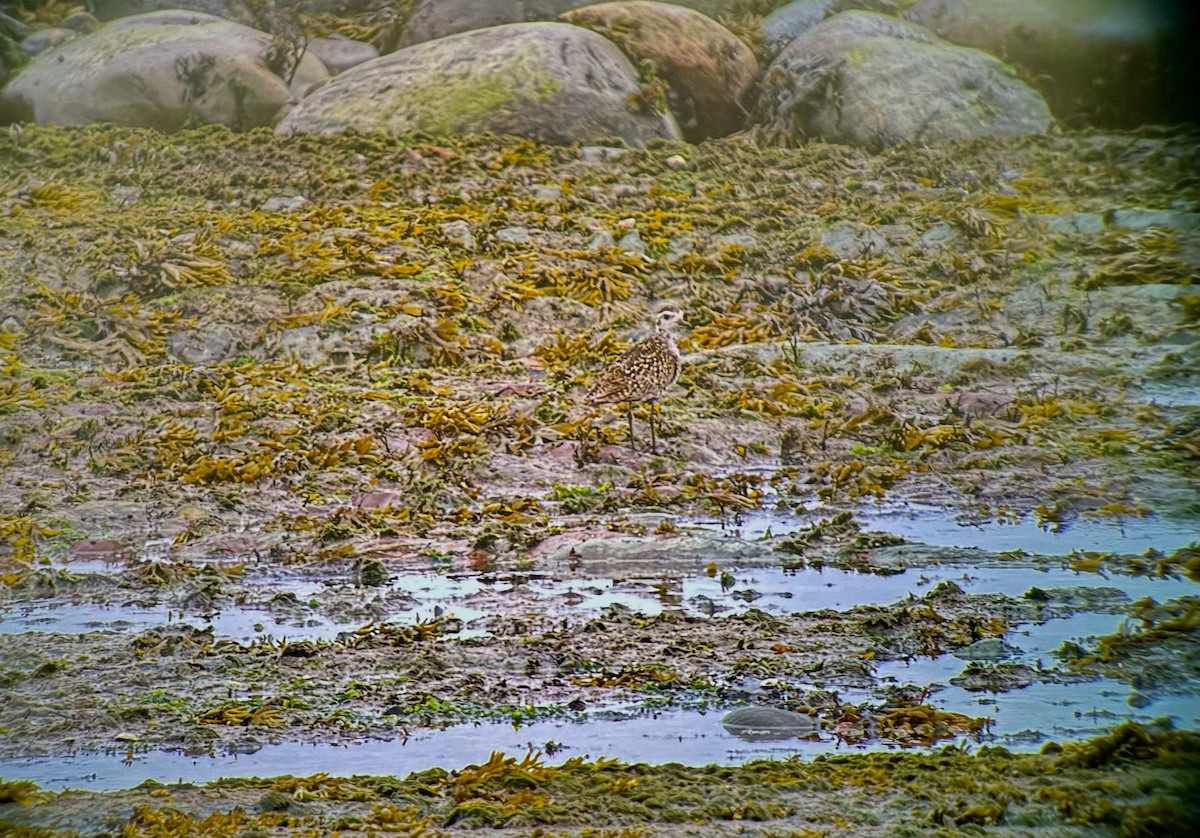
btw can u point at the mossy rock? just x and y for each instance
(547, 81)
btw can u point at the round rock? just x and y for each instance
(164, 70)
(44, 39)
(708, 69)
(768, 723)
(786, 23)
(875, 81)
(551, 82)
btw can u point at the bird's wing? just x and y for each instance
(632, 374)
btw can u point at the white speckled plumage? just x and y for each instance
(644, 373)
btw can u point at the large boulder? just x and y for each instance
(709, 71)
(431, 19)
(876, 81)
(164, 70)
(786, 23)
(552, 82)
(1111, 63)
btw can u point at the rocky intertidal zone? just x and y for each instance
(295, 449)
(289, 381)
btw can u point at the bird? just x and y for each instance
(643, 374)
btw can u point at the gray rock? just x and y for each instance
(165, 70)
(768, 723)
(786, 23)
(850, 241)
(513, 235)
(599, 153)
(459, 232)
(340, 54)
(285, 203)
(198, 347)
(1140, 219)
(996, 678)
(304, 345)
(1117, 63)
(1075, 224)
(989, 649)
(875, 81)
(939, 235)
(44, 39)
(548, 192)
(655, 555)
(602, 240)
(81, 22)
(632, 242)
(551, 82)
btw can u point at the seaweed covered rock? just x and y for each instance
(1112, 63)
(708, 70)
(876, 81)
(165, 70)
(548, 81)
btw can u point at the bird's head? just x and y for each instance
(668, 319)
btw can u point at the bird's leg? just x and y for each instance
(653, 441)
(629, 407)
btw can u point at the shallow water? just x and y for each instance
(237, 624)
(465, 596)
(1022, 720)
(690, 737)
(940, 526)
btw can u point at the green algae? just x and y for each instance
(1134, 781)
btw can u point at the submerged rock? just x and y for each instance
(548, 81)
(995, 678)
(875, 81)
(767, 723)
(988, 649)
